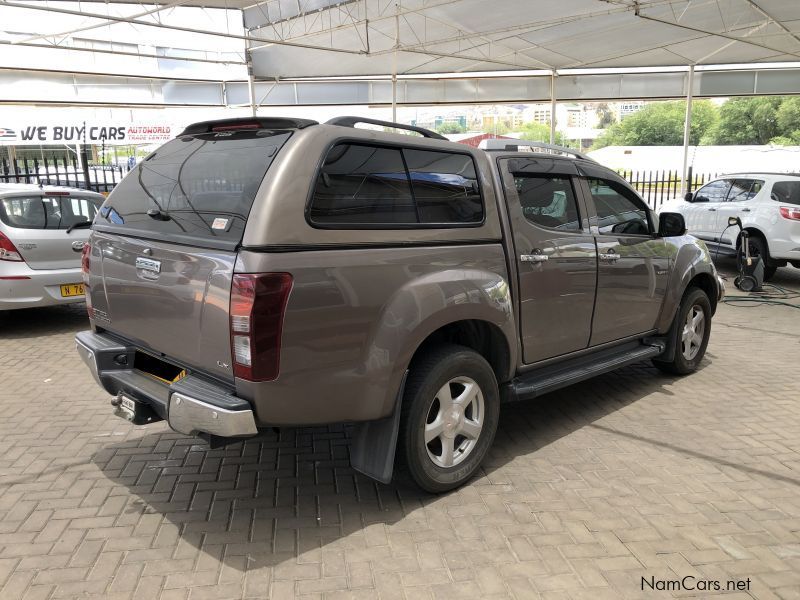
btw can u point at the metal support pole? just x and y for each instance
(248, 59)
(687, 130)
(553, 107)
(394, 61)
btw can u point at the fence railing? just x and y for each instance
(657, 187)
(61, 171)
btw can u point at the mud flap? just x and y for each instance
(374, 443)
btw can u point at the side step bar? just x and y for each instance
(547, 379)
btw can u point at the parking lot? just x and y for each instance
(587, 493)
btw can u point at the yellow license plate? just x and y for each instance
(72, 289)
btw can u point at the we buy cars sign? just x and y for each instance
(35, 134)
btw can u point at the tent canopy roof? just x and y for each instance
(331, 38)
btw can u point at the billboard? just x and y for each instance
(32, 133)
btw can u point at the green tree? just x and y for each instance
(538, 132)
(445, 128)
(606, 116)
(748, 121)
(788, 122)
(661, 124)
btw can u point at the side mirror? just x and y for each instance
(671, 224)
(734, 221)
(689, 197)
(700, 199)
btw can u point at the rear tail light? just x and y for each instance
(8, 251)
(86, 253)
(791, 212)
(258, 303)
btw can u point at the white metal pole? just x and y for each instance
(553, 107)
(687, 129)
(394, 61)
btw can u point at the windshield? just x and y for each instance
(194, 188)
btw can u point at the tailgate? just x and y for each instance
(170, 299)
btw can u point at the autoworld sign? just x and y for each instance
(31, 133)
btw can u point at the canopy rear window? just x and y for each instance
(195, 189)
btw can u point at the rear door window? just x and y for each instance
(548, 200)
(744, 189)
(787, 192)
(47, 212)
(368, 186)
(196, 188)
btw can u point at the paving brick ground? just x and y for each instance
(632, 475)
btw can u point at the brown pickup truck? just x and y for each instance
(268, 272)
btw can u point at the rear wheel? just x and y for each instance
(449, 417)
(758, 247)
(691, 328)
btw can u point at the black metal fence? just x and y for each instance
(657, 187)
(61, 171)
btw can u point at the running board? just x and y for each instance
(547, 379)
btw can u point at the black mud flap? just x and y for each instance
(374, 443)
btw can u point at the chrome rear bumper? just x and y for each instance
(191, 406)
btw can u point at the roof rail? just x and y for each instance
(510, 145)
(247, 123)
(351, 122)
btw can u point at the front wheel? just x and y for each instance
(691, 328)
(449, 417)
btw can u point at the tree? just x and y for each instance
(788, 122)
(661, 124)
(452, 127)
(746, 121)
(538, 132)
(606, 116)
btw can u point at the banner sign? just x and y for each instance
(114, 134)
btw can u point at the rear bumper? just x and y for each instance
(39, 288)
(192, 406)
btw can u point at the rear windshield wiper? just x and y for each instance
(79, 225)
(158, 214)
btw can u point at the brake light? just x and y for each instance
(8, 251)
(86, 253)
(236, 126)
(258, 303)
(791, 212)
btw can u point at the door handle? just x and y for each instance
(745, 210)
(534, 258)
(712, 210)
(609, 256)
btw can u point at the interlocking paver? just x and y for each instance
(634, 474)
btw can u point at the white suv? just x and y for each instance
(768, 205)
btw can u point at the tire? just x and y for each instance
(758, 247)
(688, 352)
(468, 428)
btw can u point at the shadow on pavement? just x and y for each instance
(272, 498)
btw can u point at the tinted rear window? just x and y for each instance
(367, 186)
(197, 189)
(786, 191)
(47, 212)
